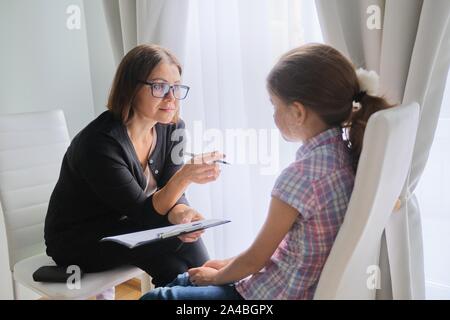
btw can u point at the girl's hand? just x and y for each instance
(215, 264)
(203, 276)
(181, 213)
(201, 169)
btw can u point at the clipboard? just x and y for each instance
(135, 239)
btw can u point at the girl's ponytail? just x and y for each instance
(354, 128)
(365, 103)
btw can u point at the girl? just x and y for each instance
(317, 97)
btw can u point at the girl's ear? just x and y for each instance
(299, 112)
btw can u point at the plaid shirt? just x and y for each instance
(318, 184)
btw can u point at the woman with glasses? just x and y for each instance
(124, 173)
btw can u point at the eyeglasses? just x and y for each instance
(161, 89)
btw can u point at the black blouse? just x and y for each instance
(100, 190)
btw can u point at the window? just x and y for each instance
(231, 47)
(433, 193)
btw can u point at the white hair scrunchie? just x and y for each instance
(369, 81)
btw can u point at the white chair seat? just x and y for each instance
(91, 283)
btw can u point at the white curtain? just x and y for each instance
(163, 22)
(411, 52)
(229, 54)
(121, 21)
(132, 22)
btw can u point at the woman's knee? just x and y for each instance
(195, 254)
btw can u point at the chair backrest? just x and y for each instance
(382, 172)
(32, 146)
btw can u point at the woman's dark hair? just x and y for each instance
(136, 66)
(324, 81)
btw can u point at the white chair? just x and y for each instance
(351, 270)
(32, 146)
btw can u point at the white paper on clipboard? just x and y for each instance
(135, 239)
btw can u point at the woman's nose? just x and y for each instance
(169, 95)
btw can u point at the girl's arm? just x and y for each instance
(280, 219)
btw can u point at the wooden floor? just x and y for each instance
(130, 290)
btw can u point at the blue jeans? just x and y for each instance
(183, 289)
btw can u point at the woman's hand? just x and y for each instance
(203, 276)
(201, 169)
(182, 213)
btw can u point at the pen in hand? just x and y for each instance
(190, 154)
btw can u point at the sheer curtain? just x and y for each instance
(120, 16)
(432, 192)
(230, 48)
